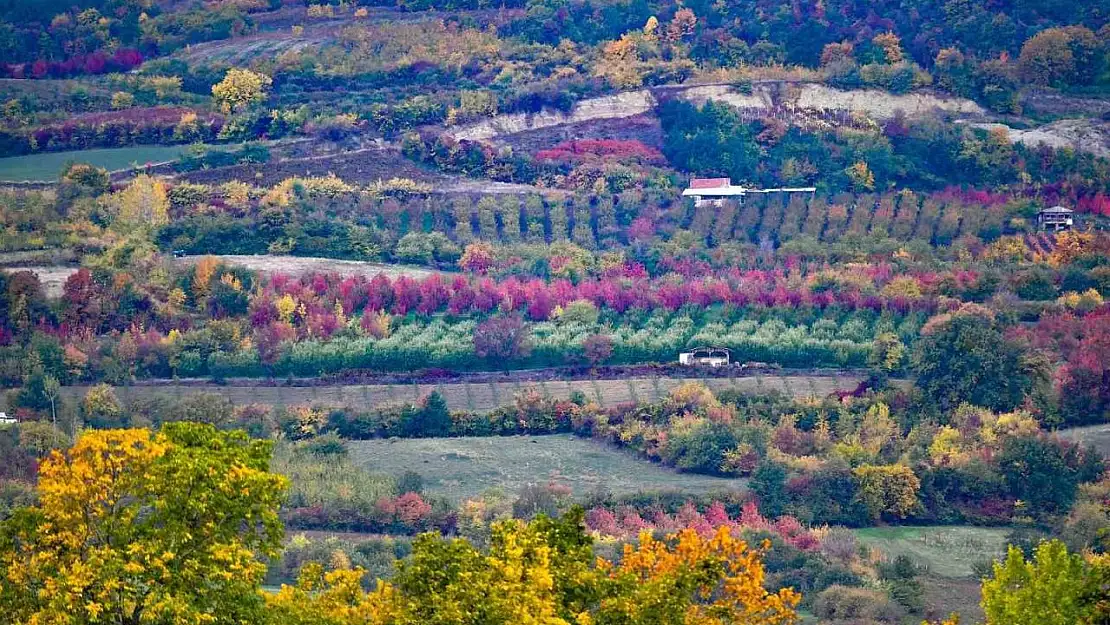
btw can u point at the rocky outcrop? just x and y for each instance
(880, 105)
(1081, 135)
(761, 96)
(617, 106)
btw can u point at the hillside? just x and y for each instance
(622, 312)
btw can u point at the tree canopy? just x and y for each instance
(135, 527)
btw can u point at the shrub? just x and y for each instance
(845, 603)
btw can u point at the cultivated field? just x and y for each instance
(466, 467)
(46, 167)
(1097, 435)
(479, 396)
(942, 551)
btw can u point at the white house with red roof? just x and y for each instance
(714, 191)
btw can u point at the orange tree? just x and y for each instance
(544, 573)
(133, 527)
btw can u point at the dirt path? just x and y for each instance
(300, 265)
(53, 277)
(1097, 435)
(483, 396)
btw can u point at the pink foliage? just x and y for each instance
(411, 508)
(594, 150)
(626, 523)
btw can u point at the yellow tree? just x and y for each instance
(544, 573)
(891, 46)
(887, 489)
(133, 527)
(239, 89)
(143, 204)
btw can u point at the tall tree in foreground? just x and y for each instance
(134, 527)
(1054, 588)
(544, 573)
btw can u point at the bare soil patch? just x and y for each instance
(53, 278)
(300, 265)
(474, 396)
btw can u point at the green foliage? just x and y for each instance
(712, 140)
(1053, 588)
(166, 526)
(964, 357)
(1041, 472)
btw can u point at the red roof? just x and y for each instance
(710, 183)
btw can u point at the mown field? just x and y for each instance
(482, 396)
(459, 468)
(946, 556)
(45, 167)
(941, 551)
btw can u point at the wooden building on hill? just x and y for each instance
(1056, 219)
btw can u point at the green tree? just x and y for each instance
(964, 357)
(1040, 472)
(887, 489)
(431, 419)
(133, 527)
(1055, 588)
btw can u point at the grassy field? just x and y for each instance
(1097, 435)
(45, 167)
(946, 555)
(947, 552)
(478, 396)
(465, 467)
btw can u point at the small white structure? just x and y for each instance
(6, 420)
(705, 357)
(714, 191)
(1056, 218)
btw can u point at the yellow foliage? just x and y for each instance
(650, 569)
(887, 489)
(946, 447)
(237, 194)
(1081, 302)
(140, 206)
(239, 89)
(286, 306)
(136, 527)
(861, 176)
(203, 272)
(543, 573)
(903, 286)
(1011, 249)
(1070, 245)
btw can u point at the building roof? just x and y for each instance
(1058, 210)
(710, 183)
